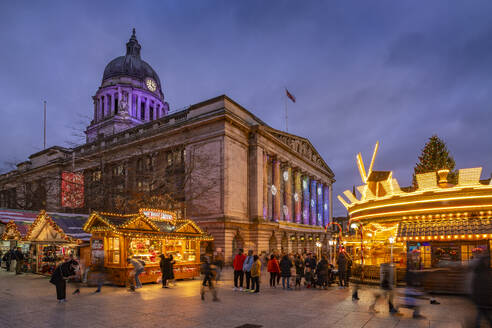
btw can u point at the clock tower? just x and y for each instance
(130, 94)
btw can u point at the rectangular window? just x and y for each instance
(151, 113)
(96, 176)
(139, 165)
(118, 170)
(114, 250)
(115, 104)
(169, 159)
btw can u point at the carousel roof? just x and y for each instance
(381, 197)
(447, 228)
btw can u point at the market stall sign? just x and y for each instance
(159, 215)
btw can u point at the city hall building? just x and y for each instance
(248, 185)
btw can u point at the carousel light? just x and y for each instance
(392, 240)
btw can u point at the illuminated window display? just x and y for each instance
(145, 236)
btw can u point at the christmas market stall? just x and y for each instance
(14, 225)
(144, 236)
(55, 235)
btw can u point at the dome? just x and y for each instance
(131, 65)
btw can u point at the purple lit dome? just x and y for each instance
(131, 65)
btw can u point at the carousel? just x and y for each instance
(435, 226)
(144, 236)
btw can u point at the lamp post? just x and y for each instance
(318, 249)
(391, 241)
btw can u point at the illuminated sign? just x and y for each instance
(158, 215)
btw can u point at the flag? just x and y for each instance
(291, 97)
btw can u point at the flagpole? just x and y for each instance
(286, 117)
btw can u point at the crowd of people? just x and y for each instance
(295, 270)
(14, 259)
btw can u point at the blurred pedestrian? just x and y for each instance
(133, 276)
(348, 269)
(285, 265)
(99, 275)
(481, 289)
(238, 270)
(19, 258)
(248, 263)
(219, 263)
(274, 269)
(386, 284)
(59, 278)
(255, 274)
(299, 264)
(208, 271)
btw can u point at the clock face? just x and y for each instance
(151, 85)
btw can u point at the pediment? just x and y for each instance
(301, 146)
(140, 223)
(47, 233)
(189, 228)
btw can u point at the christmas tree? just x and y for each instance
(434, 157)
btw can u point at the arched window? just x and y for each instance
(237, 244)
(272, 244)
(285, 244)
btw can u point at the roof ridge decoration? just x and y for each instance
(11, 232)
(380, 185)
(43, 216)
(300, 145)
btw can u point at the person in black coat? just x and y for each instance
(285, 265)
(166, 269)
(322, 272)
(60, 276)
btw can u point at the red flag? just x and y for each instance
(291, 97)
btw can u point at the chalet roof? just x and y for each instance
(71, 225)
(160, 228)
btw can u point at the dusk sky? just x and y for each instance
(362, 71)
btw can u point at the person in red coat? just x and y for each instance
(238, 270)
(274, 270)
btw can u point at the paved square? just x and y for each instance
(30, 301)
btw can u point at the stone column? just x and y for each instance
(326, 208)
(119, 97)
(312, 217)
(288, 193)
(111, 104)
(276, 190)
(94, 100)
(265, 186)
(305, 199)
(319, 215)
(331, 202)
(297, 196)
(130, 103)
(138, 109)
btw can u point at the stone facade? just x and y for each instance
(249, 185)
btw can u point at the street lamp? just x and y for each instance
(391, 241)
(361, 232)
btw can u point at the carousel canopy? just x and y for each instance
(456, 228)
